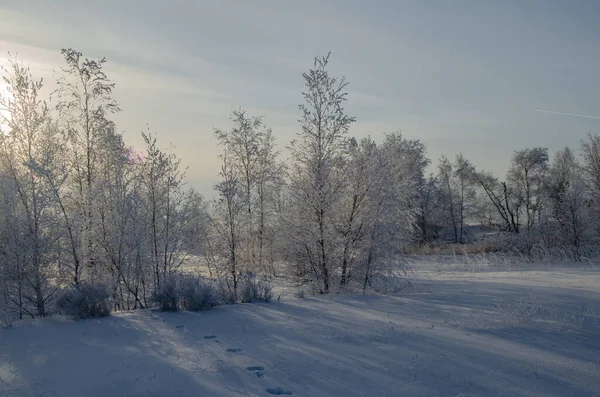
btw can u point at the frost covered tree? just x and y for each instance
(162, 188)
(316, 171)
(456, 181)
(431, 213)
(85, 101)
(590, 165)
(394, 204)
(527, 175)
(570, 201)
(445, 173)
(356, 210)
(79, 207)
(227, 222)
(28, 151)
(251, 152)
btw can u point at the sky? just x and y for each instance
(479, 77)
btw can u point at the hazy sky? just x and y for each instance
(463, 76)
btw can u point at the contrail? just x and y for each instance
(567, 114)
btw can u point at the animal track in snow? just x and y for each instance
(210, 337)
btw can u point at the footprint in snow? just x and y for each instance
(279, 392)
(257, 370)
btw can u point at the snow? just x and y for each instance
(520, 333)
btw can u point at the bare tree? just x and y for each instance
(503, 201)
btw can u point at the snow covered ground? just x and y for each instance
(533, 333)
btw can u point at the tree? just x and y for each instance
(251, 151)
(445, 176)
(27, 150)
(84, 103)
(503, 201)
(463, 177)
(394, 198)
(317, 165)
(570, 200)
(431, 214)
(457, 182)
(162, 187)
(527, 175)
(355, 206)
(227, 220)
(590, 165)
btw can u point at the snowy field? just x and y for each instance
(501, 333)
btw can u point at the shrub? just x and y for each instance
(197, 294)
(253, 289)
(85, 301)
(167, 295)
(8, 315)
(186, 292)
(265, 291)
(246, 291)
(227, 293)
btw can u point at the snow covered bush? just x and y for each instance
(197, 293)
(167, 295)
(265, 291)
(8, 315)
(228, 295)
(85, 301)
(255, 290)
(186, 292)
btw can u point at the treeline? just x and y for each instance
(80, 207)
(542, 204)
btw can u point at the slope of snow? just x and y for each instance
(449, 336)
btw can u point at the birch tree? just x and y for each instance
(317, 159)
(85, 102)
(251, 152)
(27, 149)
(226, 221)
(162, 184)
(570, 200)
